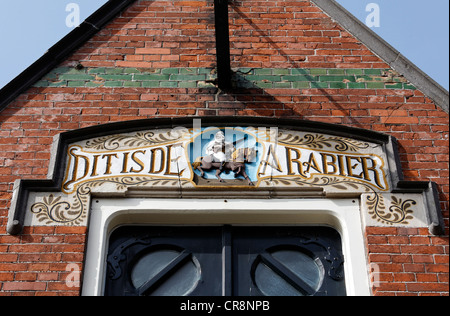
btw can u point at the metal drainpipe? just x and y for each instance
(222, 44)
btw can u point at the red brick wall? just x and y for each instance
(410, 262)
(36, 262)
(264, 34)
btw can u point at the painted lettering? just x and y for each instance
(351, 166)
(125, 162)
(326, 163)
(77, 160)
(312, 163)
(172, 160)
(341, 165)
(367, 171)
(275, 164)
(290, 160)
(108, 162)
(94, 166)
(137, 161)
(162, 161)
(169, 162)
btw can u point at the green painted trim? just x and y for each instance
(243, 78)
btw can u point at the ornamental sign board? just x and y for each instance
(221, 162)
(225, 157)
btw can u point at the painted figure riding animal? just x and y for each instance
(236, 164)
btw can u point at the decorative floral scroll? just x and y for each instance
(139, 139)
(52, 209)
(56, 210)
(317, 141)
(399, 211)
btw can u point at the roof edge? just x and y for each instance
(63, 48)
(386, 52)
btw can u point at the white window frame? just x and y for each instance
(341, 214)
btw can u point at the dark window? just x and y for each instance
(228, 260)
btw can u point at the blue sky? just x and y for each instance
(28, 28)
(419, 30)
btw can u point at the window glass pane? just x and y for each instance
(179, 282)
(308, 269)
(182, 282)
(272, 283)
(150, 265)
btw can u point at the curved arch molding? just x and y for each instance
(227, 157)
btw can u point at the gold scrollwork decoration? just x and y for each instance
(139, 139)
(340, 144)
(399, 212)
(323, 181)
(54, 210)
(124, 182)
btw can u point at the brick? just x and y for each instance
(422, 249)
(437, 268)
(391, 286)
(50, 276)
(381, 231)
(404, 277)
(135, 64)
(384, 249)
(70, 230)
(401, 258)
(76, 77)
(24, 286)
(427, 287)
(377, 240)
(398, 240)
(6, 277)
(380, 258)
(401, 120)
(414, 268)
(153, 51)
(441, 259)
(422, 277)
(146, 77)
